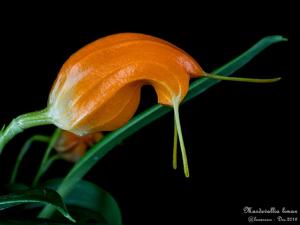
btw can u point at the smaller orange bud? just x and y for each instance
(72, 147)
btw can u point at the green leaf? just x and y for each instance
(114, 138)
(45, 196)
(41, 222)
(30, 222)
(89, 196)
(15, 188)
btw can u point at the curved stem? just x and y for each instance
(242, 79)
(22, 122)
(25, 148)
(44, 162)
(46, 166)
(50, 161)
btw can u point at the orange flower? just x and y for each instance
(98, 88)
(72, 147)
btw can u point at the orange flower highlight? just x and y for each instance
(72, 147)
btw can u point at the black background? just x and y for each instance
(240, 137)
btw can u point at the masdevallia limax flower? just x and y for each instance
(98, 87)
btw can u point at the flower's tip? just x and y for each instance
(174, 166)
(277, 79)
(186, 172)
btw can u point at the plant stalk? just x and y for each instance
(21, 123)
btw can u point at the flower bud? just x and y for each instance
(72, 147)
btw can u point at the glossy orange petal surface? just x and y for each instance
(98, 88)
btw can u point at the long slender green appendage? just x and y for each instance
(56, 134)
(175, 144)
(24, 150)
(242, 79)
(179, 132)
(46, 166)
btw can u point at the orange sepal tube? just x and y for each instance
(98, 88)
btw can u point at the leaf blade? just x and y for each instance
(40, 222)
(92, 197)
(45, 196)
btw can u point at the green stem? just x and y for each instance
(22, 122)
(50, 161)
(46, 166)
(242, 79)
(25, 148)
(44, 162)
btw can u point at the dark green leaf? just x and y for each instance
(40, 222)
(16, 188)
(89, 196)
(45, 196)
(151, 114)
